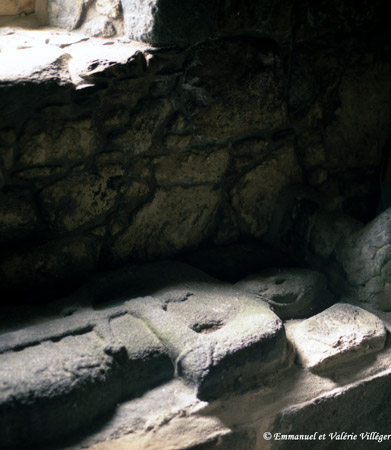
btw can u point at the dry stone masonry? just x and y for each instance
(195, 230)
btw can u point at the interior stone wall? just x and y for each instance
(189, 146)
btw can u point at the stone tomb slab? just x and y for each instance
(339, 334)
(58, 376)
(219, 338)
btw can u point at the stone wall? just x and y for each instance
(189, 147)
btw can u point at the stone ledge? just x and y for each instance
(53, 54)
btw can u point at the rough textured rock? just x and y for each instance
(343, 418)
(138, 138)
(291, 293)
(255, 194)
(170, 417)
(112, 151)
(185, 169)
(161, 234)
(109, 8)
(100, 27)
(65, 145)
(67, 14)
(338, 335)
(366, 259)
(212, 336)
(104, 136)
(77, 201)
(44, 377)
(355, 257)
(72, 375)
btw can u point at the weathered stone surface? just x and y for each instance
(217, 338)
(253, 198)
(100, 27)
(67, 14)
(366, 259)
(337, 335)
(231, 111)
(65, 145)
(70, 370)
(346, 417)
(76, 201)
(69, 58)
(166, 22)
(175, 219)
(291, 293)
(45, 377)
(244, 98)
(138, 138)
(109, 8)
(249, 153)
(193, 168)
(209, 349)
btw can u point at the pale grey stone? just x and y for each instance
(67, 14)
(366, 259)
(293, 293)
(46, 377)
(339, 334)
(100, 27)
(113, 344)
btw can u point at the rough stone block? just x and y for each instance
(337, 335)
(366, 259)
(147, 363)
(67, 14)
(80, 367)
(255, 194)
(185, 214)
(87, 196)
(47, 389)
(109, 8)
